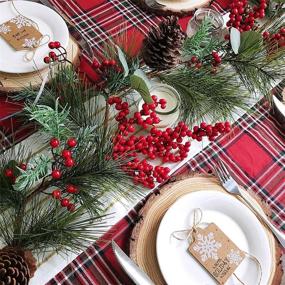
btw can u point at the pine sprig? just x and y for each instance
(202, 43)
(42, 225)
(38, 168)
(205, 96)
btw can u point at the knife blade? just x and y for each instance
(134, 272)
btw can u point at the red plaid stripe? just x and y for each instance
(255, 153)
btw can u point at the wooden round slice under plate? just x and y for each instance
(13, 82)
(173, 7)
(143, 241)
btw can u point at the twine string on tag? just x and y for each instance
(189, 235)
(30, 54)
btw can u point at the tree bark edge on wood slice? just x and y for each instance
(143, 239)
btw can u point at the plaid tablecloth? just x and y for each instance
(255, 151)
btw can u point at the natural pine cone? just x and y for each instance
(162, 48)
(14, 268)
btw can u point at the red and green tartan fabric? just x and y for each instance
(255, 151)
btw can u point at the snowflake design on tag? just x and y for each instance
(4, 29)
(207, 246)
(21, 22)
(234, 257)
(30, 43)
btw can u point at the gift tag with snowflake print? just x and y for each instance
(216, 252)
(20, 33)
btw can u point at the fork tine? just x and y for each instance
(224, 168)
(220, 173)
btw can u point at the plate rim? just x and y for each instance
(210, 192)
(39, 65)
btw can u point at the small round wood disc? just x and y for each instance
(172, 7)
(13, 82)
(143, 241)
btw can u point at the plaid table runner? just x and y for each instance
(255, 153)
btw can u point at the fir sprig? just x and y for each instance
(38, 168)
(53, 121)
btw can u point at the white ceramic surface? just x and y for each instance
(235, 219)
(49, 22)
(177, 5)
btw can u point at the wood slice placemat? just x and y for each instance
(165, 11)
(143, 241)
(13, 82)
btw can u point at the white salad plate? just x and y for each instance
(231, 216)
(49, 23)
(183, 4)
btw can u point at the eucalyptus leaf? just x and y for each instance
(250, 42)
(123, 61)
(139, 84)
(235, 39)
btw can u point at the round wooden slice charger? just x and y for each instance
(172, 7)
(143, 241)
(13, 82)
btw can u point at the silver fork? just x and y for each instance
(232, 187)
(153, 4)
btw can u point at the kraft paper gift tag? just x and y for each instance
(20, 33)
(216, 252)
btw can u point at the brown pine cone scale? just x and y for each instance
(14, 270)
(162, 48)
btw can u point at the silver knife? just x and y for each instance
(134, 272)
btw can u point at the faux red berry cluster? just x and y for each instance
(63, 158)
(10, 174)
(65, 195)
(195, 62)
(60, 56)
(243, 17)
(277, 39)
(170, 145)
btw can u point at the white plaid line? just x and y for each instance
(76, 265)
(87, 21)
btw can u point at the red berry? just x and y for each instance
(282, 30)
(71, 142)
(106, 62)
(9, 172)
(56, 194)
(71, 207)
(47, 60)
(64, 202)
(70, 188)
(57, 44)
(66, 153)
(51, 45)
(198, 65)
(56, 174)
(52, 55)
(54, 142)
(95, 64)
(23, 166)
(112, 62)
(194, 59)
(69, 162)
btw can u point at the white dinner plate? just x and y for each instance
(49, 23)
(234, 218)
(178, 5)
